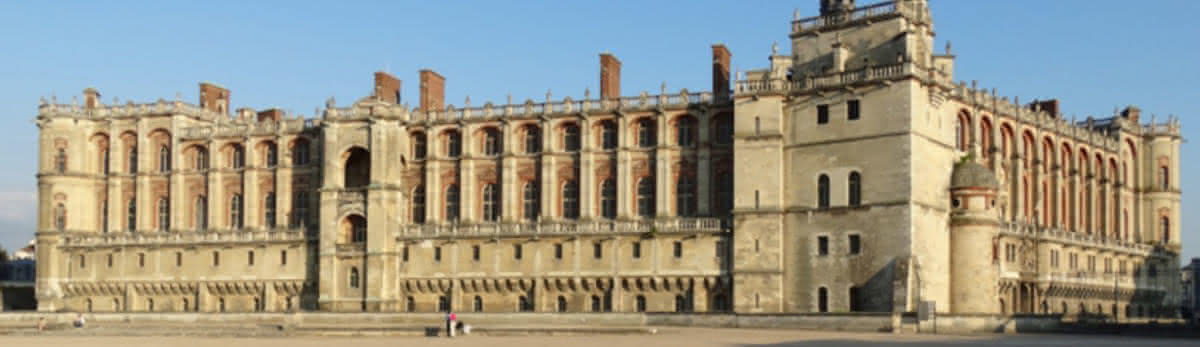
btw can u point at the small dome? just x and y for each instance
(972, 175)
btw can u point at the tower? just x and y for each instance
(973, 223)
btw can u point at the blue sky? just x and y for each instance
(1093, 55)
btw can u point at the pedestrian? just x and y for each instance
(79, 321)
(42, 324)
(450, 318)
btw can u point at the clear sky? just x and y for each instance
(1093, 55)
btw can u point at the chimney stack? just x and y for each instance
(1050, 106)
(214, 98)
(387, 88)
(610, 77)
(433, 91)
(91, 98)
(1132, 113)
(720, 70)
(273, 114)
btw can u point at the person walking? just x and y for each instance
(450, 318)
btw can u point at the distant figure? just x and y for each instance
(79, 321)
(42, 324)
(466, 328)
(450, 318)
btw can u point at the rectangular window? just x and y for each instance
(110, 260)
(404, 255)
(437, 254)
(475, 253)
(283, 257)
(855, 244)
(517, 251)
(250, 258)
(852, 111)
(558, 253)
(678, 249)
(141, 260)
(597, 250)
(822, 245)
(637, 249)
(822, 114)
(216, 259)
(178, 259)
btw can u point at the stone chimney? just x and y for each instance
(387, 87)
(91, 98)
(1050, 106)
(610, 76)
(831, 7)
(433, 91)
(720, 70)
(214, 98)
(1132, 113)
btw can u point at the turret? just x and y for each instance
(974, 221)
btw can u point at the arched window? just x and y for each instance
(640, 303)
(201, 159)
(822, 299)
(164, 214)
(60, 217)
(410, 304)
(608, 135)
(491, 203)
(88, 304)
(962, 131)
(532, 200)
(570, 199)
(358, 228)
(724, 130)
(596, 304)
(646, 133)
(1164, 178)
(133, 159)
(418, 205)
(524, 304)
(201, 222)
(681, 304)
(60, 161)
(419, 146)
(272, 155)
(300, 209)
(562, 304)
(608, 199)
(823, 191)
(452, 202)
(645, 197)
(1166, 229)
(353, 277)
(357, 173)
(571, 138)
(855, 188)
(235, 211)
(985, 139)
(149, 305)
(238, 157)
(685, 196)
(685, 132)
(164, 159)
(300, 153)
(533, 140)
(453, 144)
(491, 142)
(269, 210)
(477, 304)
(131, 214)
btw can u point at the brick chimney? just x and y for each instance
(214, 98)
(720, 70)
(387, 87)
(273, 114)
(91, 98)
(610, 76)
(1050, 106)
(433, 90)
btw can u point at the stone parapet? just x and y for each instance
(661, 225)
(1076, 239)
(121, 239)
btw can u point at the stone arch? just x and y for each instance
(353, 229)
(356, 167)
(684, 127)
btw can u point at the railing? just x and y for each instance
(166, 238)
(290, 126)
(818, 22)
(873, 73)
(564, 228)
(1078, 238)
(530, 108)
(126, 110)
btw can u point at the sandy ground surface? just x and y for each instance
(667, 337)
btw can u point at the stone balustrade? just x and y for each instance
(876, 11)
(528, 109)
(289, 126)
(120, 239)
(1076, 238)
(662, 225)
(127, 110)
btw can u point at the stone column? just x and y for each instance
(699, 296)
(588, 197)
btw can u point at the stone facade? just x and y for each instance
(853, 174)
